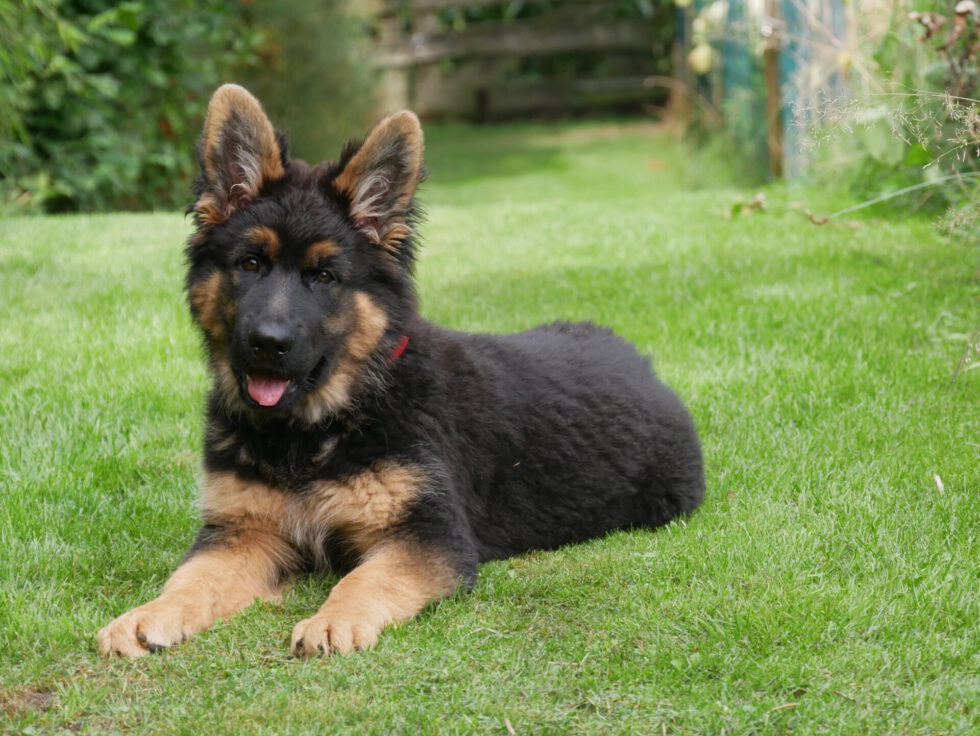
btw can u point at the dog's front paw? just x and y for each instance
(328, 634)
(149, 628)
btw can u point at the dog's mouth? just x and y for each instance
(272, 390)
(266, 389)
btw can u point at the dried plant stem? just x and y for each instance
(892, 195)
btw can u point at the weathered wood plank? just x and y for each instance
(388, 7)
(525, 39)
(497, 99)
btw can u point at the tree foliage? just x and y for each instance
(100, 101)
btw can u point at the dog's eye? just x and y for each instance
(250, 264)
(323, 277)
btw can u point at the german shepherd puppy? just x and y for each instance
(346, 433)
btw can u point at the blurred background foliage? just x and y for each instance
(906, 114)
(878, 96)
(313, 72)
(101, 102)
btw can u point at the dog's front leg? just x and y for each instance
(395, 580)
(225, 571)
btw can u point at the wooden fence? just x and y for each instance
(445, 58)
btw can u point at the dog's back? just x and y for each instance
(560, 434)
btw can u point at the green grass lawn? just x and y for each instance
(829, 583)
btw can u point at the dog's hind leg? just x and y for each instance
(226, 570)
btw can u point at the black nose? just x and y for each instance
(271, 340)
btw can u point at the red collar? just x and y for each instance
(399, 349)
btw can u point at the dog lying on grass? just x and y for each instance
(346, 433)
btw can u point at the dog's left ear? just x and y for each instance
(380, 179)
(239, 152)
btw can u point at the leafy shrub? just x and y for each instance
(884, 92)
(100, 101)
(910, 120)
(722, 69)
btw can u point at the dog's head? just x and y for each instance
(299, 277)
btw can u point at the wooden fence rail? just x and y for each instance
(484, 69)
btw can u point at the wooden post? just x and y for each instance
(393, 90)
(427, 84)
(680, 104)
(774, 97)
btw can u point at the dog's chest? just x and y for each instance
(289, 461)
(354, 511)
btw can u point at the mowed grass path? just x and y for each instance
(829, 583)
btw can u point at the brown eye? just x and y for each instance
(250, 264)
(323, 277)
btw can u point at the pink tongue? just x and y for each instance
(266, 388)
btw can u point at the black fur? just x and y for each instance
(534, 440)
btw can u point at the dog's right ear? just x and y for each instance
(380, 179)
(238, 153)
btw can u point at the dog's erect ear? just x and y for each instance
(381, 178)
(238, 153)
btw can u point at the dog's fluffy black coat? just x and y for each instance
(451, 448)
(550, 436)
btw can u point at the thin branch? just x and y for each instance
(891, 195)
(961, 367)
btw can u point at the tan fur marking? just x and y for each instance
(228, 500)
(338, 324)
(209, 210)
(394, 234)
(205, 299)
(369, 327)
(319, 251)
(361, 508)
(266, 532)
(393, 584)
(225, 382)
(365, 507)
(326, 450)
(213, 583)
(266, 237)
(333, 396)
(246, 567)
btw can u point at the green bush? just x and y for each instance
(101, 101)
(912, 120)
(883, 95)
